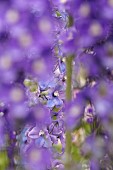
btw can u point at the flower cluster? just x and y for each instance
(56, 80)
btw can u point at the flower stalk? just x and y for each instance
(68, 98)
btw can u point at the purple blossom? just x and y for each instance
(36, 40)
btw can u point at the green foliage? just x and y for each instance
(3, 160)
(87, 127)
(76, 155)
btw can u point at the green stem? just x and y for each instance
(68, 98)
(69, 78)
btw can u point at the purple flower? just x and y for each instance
(75, 111)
